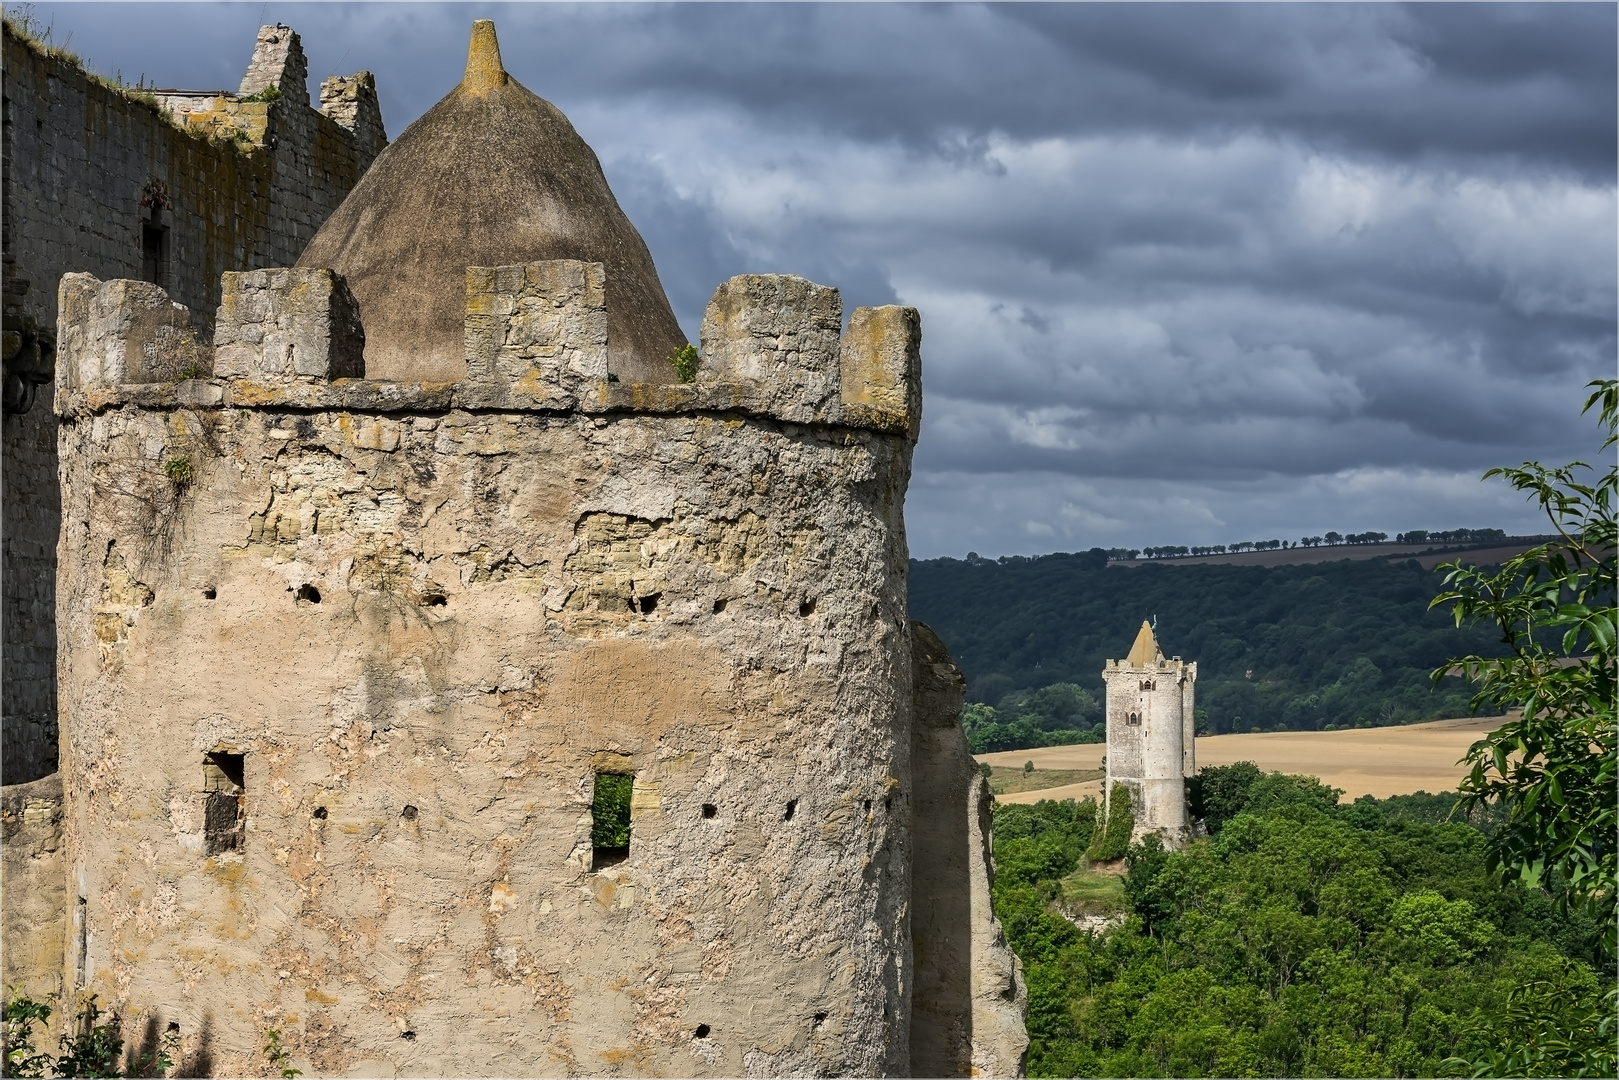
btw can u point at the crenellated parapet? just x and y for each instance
(536, 340)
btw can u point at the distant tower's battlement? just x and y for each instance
(1150, 725)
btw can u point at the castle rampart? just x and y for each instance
(462, 677)
(167, 187)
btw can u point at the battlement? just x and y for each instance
(536, 339)
(1159, 664)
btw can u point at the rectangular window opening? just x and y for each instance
(224, 779)
(155, 254)
(610, 820)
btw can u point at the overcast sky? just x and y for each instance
(1187, 274)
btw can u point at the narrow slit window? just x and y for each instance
(224, 780)
(610, 820)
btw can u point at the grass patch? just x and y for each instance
(1093, 892)
(1010, 781)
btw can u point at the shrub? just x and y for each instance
(685, 362)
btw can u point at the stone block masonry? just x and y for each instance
(284, 325)
(171, 188)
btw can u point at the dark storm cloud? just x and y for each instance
(1188, 273)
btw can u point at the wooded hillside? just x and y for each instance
(1313, 647)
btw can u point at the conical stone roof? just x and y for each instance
(1144, 653)
(490, 176)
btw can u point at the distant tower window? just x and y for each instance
(224, 779)
(610, 820)
(1135, 719)
(1148, 684)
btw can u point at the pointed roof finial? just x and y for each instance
(484, 70)
(1144, 653)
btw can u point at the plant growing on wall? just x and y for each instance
(179, 470)
(685, 362)
(268, 94)
(1113, 839)
(93, 1045)
(278, 1057)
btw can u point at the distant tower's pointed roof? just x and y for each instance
(490, 176)
(1144, 653)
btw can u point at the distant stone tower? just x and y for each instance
(1149, 735)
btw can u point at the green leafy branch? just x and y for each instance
(1552, 769)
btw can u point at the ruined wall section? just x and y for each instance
(90, 171)
(969, 998)
(419, 626)
(238, 184)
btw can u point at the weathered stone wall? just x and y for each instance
(969, 996)
(33, 879)
(426, 624)
(28, 736)
(238, 184)
(88, 168)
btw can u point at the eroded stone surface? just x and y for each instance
(777, 331)
(33, 881)
(481, 637)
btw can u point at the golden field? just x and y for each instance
(1364, 761)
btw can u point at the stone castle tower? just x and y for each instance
(1150, 746)
(449, 684)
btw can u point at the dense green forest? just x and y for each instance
(1311, 647)
(1302, 938)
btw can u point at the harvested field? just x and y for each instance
(1005, 780)
(1365, 761)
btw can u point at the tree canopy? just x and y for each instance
(1303, 939)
